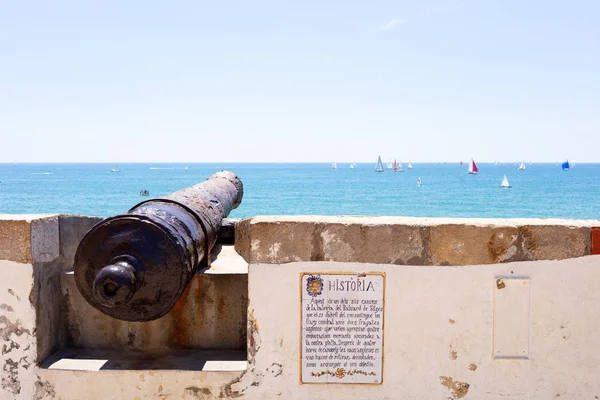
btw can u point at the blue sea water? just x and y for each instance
(543, 190)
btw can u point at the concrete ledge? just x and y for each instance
(97, 360)
(410, 240)
(225, 260)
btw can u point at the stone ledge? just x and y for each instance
(410, 240)
(97, 360)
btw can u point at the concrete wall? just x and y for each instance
(29, 300)
(450, 329)
(443, 332)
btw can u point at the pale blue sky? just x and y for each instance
(194, 81)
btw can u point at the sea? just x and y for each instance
(541, 191)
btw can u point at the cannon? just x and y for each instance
(135, 266)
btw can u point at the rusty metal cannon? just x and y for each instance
(135, 266)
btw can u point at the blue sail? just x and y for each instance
(565, 165)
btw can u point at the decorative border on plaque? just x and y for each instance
(312, 291)
(341, 372)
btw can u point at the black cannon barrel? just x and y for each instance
(135, 266)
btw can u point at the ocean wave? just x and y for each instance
(41, 173)
(161, 168)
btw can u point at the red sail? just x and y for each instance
(474, 167)
(395, 167)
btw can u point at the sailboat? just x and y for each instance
(409, 165)
(419, 182)
(185, 168)
(472, 168)
(522, 167)
(352, 165)
(334, 166)
(395, 166)
(379, 167)
(115, 169)
(400, 168)
(566, 166)
(389, 164)
(505, 184)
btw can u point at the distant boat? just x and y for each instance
(400, 168)
(395, 166)
(115, 170)
(334, 166)
(505, 184)
(461, 163)
(409, 165)
(566, 166)
(389, 164)
(419, 182)
(144, 192)
(352, 165)
(379, 167)
(185, 168)
(522, 167)
(472, 168)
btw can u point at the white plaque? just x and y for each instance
(342, 327)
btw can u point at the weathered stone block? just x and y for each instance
(471, 244)
(555, 242)
(242, 238)
(72, 229)
(278, 242)
(29, 239)
(384, 244)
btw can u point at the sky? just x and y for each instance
(302, 81)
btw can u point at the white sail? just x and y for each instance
(334, 166)
(400, 168)
(390, 164)
(379, 167)
(522, 167)
(505, 183)
(409, 165)
(472, 168)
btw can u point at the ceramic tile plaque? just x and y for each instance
(342, 327)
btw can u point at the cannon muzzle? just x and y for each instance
(135, 266)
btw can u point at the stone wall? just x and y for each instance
(412, 241)
(450, 330)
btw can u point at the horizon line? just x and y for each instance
(286, 162)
